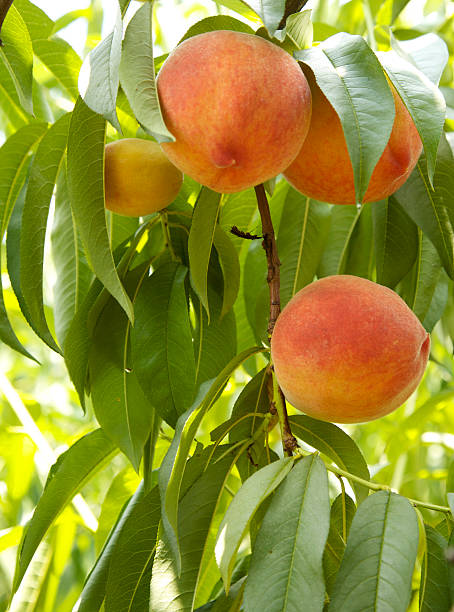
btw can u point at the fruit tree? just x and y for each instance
(227, 306)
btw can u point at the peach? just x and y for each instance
(138, 177)
(348, 350)
(238, 106)
(322, 169)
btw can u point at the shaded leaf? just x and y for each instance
(377, 566)
(230, 266)
(173, 592)
(122, 409)
(396, 241)
(173, 464)
(434, 591)
(162, 351)
(335, 254)
(235, 522)
(128, 581)
(302, 233)
(73, 273)
(43, 175)
(342, 512)
(286, 564)
(336, 444)
(214, 341)
(201, 238)
(94, 591)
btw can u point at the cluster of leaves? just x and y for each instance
(155, 318)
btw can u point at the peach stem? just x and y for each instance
(276, 396)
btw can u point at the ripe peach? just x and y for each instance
(348, 350)
(322, 169)
(238, 106)
(139, 179)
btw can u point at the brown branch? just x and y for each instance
(269, 244)
(291, 7)
(275, 394)
(246, 235)
(4, 8)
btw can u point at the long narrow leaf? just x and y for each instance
(43, 175)
(85, 184)
(286, 565)
(72, 470)
(173, 464)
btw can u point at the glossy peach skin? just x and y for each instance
(138, 177)
(238, 106)
(348, 350)
(323, 170)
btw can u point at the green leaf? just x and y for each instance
(14, 155)
(342, 511)
(351, 77)
(428, 52)
(120, 405)
(359, 259)
(128, 581)
(377, 566)
(433, 211)
(335, 255)
(396, 241)
(299, 29)
(73, 273)
(286, 564)
(77, 342)
(434, 589)
(336, 444)
(247, 416)
(217, 22)
(43, 175)
(173, 591)
(214, 341)
(243, 506)
(38, 22)
(85, 175)
(270, 12)
(173, 464)
(162, 350)
(120, 491)
(201, 238)
(137, 73)
(230, 265)
(61, 59)
(418, 289)
(94, 591)
(423, 99)
(16, 117)
(302, 234)
(17, 55)
(73, 469)
(99, 74)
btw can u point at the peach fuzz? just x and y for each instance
(138, 177)
(323, 170)
(348, 350)
(238, 106)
